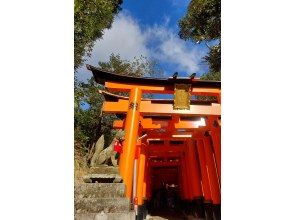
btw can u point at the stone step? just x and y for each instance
(102, 178)
(100, 190)
(95, 205)
(106, 216)
(104, 170)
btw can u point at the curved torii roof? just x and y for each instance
(101, 77)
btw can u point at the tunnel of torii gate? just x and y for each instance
(175, 141)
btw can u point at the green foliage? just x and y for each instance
(211, 76)
(202, 22)
(138, 67)
(91, 17)
(90, 124)
(214, 58)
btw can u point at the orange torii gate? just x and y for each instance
(182, 136)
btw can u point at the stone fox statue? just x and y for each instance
(107, 155)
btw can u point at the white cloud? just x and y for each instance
(125, 37)
(160, 42)
(170, 48)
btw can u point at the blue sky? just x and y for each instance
(150, 28)
(154, 11)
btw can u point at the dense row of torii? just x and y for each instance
(175, 133)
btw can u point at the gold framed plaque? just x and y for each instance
(182, 97)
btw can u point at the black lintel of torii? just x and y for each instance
(102, 76)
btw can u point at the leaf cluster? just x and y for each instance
(91, 17)
(214, 58)
(202, 22)
(88, 123)
(138, 67)
(216, 76)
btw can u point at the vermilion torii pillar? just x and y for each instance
(215, 137)
(204, 171)
(212, 172)
(141, 174)
(194, 170)
(185, 186)
(126, 164)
